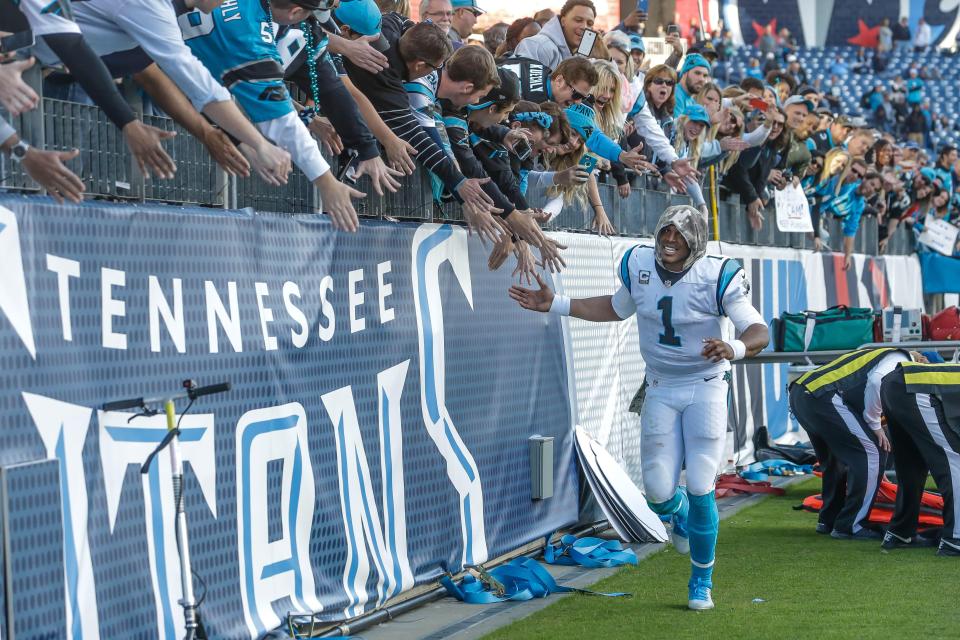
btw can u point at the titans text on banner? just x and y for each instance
(373, 438)
(384, 390)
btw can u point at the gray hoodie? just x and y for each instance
(549, 47)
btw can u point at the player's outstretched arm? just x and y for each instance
(599, 309)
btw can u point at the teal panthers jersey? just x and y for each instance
(236, 42)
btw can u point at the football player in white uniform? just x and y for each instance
(680, 296)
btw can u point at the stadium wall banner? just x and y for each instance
(384, 391)
(941, 274)
(816, 23)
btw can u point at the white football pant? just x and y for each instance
(682, 420)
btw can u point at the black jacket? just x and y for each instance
(900, 32)
(385, 91)
(496, 160)
(461, 143)
(334, 100)
(748, 176)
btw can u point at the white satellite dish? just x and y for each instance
(628, 492)
(621, 500)
(626, 520)
(613, 517)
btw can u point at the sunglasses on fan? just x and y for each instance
(576, 96)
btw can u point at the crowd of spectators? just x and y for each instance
(492, 115)
(785, 126)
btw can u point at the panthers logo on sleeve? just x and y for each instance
(731, 275)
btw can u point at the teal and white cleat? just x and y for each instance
(699, 595)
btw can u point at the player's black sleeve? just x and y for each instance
(815, 216)
(473, 168)
(496, 162)
(386, 93)
(619, 173)
(495, 133)
(738, 180)
(336, 103)
(90, 72)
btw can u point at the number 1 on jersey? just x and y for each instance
(669, 337)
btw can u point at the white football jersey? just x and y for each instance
(48, 18)
(422, 93)
(674, 320)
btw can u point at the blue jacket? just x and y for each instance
(681, 100)
(839, 69)
(848, 204)
(915, 90)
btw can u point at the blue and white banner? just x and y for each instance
(941, 274)
(376, 436)
(384, 391)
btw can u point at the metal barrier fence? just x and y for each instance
(107, 168)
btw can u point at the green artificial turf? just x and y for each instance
(811, 586)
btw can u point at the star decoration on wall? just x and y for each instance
(867, 36)
(761, 29)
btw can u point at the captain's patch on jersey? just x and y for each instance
(643, 277)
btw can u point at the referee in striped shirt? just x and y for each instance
(839, 407)
(922, 405)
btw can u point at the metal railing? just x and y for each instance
(948, 350)
(108, 170)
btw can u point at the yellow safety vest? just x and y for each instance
(939, 380)
(846, 372)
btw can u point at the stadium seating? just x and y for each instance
(943, 94)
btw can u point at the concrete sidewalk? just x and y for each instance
(449, 619)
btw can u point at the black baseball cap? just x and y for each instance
(507, 93)
(704, 48)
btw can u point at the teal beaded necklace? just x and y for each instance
(311, 47)
(312, 52)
